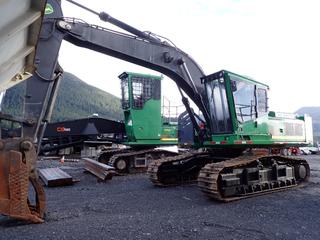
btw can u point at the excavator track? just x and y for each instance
(129, 161)
(176, 170)
(249, 176)
(105, 155)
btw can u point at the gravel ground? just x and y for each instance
(130, 207)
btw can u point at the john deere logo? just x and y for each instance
(49, 9)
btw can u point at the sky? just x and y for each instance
(276, 42)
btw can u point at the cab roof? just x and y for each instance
(224, 73)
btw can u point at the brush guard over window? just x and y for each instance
(17, 170)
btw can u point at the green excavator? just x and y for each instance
(236, 162)
(146, 126)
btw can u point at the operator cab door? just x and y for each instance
(218, 103)
(141, 102)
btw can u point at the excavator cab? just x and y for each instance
(137, 89)
(234, 100)
(141, 103)
(234, 103)
(240, 118)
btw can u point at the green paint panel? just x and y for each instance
(146, 123)
(240, 109)
(141, 101)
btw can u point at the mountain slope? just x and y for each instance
(75, 99)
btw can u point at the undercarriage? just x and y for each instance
(249, 176)
(233, 178)
(176, 170)
(130, 160)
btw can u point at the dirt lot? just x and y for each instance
(130, 207)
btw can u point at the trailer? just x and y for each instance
(82, 133)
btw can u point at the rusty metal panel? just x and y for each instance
(100, 170)
(54, 177)
(20, 23)
(16, 174)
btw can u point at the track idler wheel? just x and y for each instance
(301, 172)
(121, 165)
(17, 170)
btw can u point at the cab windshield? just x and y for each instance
(219, 109)
(125, 93)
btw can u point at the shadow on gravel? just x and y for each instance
(6, 222)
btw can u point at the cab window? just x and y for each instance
(262, 101)
(244, 99)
